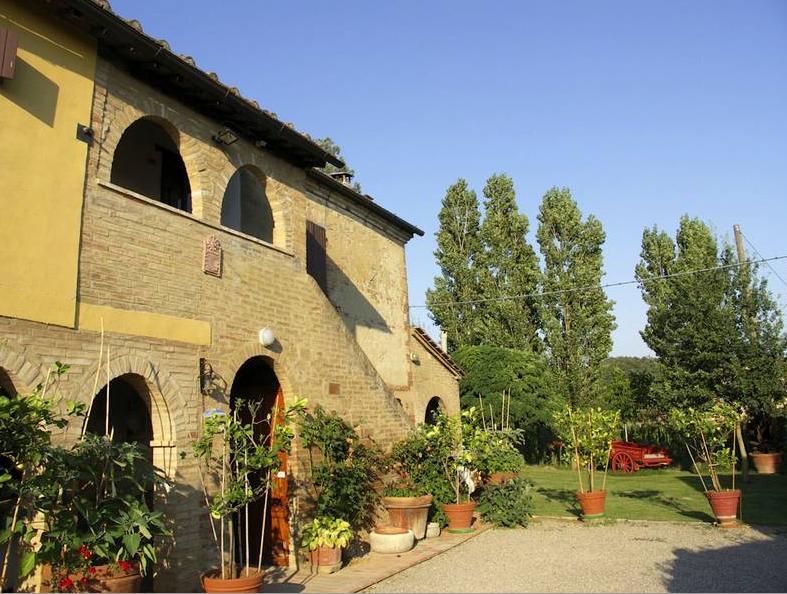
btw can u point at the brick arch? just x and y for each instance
(229, 367)
(280, 201)
(21, 371)
(189, 149)
(167, 404)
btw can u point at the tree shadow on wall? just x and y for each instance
(355, 309)
(744, 566)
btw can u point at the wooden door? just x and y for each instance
(279, 500)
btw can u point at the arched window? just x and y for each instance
(434, 407)
(147, 162)
(245, 206)
(6, 385)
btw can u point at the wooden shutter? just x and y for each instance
(8, 45)
(315, 255)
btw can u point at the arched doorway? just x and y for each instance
(129, 421)
(256, 381)
(434, 407)
(147, 161)
(6, 385)
(129, 411)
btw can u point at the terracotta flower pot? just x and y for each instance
(409, 513)
(212, 582)
(498, 478)
(326, 560)
(725, 506)
(766, 463)
(104, 578)
(593, 504)
(460, 515)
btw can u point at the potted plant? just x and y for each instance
(325, 537)
(240, 458)
(454, 435)
(588, 434)
(407, 507)
(501, 461)
(87, 505)
(765, 455)
(709, 435)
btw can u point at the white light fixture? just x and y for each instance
(267, 336)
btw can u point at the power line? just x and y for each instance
(767, 263)
(605, 286)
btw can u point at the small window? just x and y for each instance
(245, 206)
(147, 162)
(316, 259)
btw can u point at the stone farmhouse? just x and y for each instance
(166, 234)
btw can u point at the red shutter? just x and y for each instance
(8, 45)
(316, 264)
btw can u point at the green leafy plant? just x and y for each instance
(240, 456)
(588, 434)
(93, 500)
(325, 531)
(709, 437)
(509, 504)
(343, 469)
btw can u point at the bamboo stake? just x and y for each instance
(483, 416)
(223, 477)
(106, 415)
(492, 416)
(207, 504)
(606, 467)
(733, 460)
(95, 381)
(264, 517)
(246, 511)
(7, 556)
(576, 451)
(696, 468)
(714, 477)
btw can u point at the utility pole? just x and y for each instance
(736, 229)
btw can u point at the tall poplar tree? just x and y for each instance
(458, 249)
(715, 328)
(576, 314)
(507, 266)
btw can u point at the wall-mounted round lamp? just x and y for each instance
(267, 336)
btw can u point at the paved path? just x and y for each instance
(552, 556)
(365, 571)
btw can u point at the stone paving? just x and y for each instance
(364, 572)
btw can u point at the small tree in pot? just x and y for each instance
(709, 435)
(589, 434)
(325, 537)
(240, 458)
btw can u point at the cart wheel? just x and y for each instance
(622, 462)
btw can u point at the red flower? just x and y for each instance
(91, 570)
(124, 565)
(66, 583)
(85, 552)
(83, 580)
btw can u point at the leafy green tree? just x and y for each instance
(491, 371)
(576, 314)
(717, 333)
(624, 384)
(328, 145)
(508, 266)
(458, 249)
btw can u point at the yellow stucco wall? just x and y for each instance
(42, 166)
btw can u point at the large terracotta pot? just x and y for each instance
(212, 582)
(460, 515)
(106, 578)
(766, 463)
(593, 504)
(409, 513)
(725, 506)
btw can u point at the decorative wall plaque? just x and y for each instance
(211, 256)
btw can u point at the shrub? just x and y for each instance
(343, 470)
(509, 504)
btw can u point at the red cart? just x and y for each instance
(627, 456)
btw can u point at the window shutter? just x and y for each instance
(9, 41)
(316, 264)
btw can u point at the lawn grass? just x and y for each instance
(666, 494)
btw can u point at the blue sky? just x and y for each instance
(646, 110)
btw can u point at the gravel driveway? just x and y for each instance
(553, 556)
